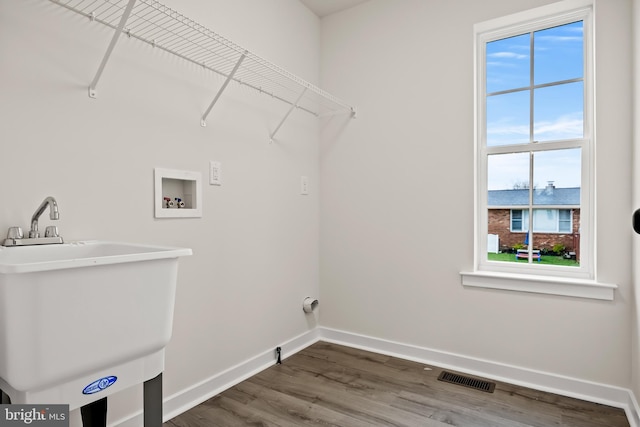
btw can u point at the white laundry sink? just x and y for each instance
(74, 314)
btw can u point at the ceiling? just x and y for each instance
(326, 7)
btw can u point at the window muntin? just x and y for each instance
(522, 142)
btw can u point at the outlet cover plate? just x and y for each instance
(215, 173)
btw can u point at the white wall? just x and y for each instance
(635, 355)
(397, 194)
(256, 245)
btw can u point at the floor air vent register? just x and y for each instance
(465, 381)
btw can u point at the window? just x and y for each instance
(534, 139)
(534, 144)
(544, 220)
(564, 221)
(517, 218)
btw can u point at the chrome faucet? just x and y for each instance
(53, 214)
(16, 238)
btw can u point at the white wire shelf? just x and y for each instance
(164, 28)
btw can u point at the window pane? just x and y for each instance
(558, 112)
(564, 225)
(508, 172)
(508, 118)
(556, 177)
(545, 220)
(516, 220)
(508, 63)
(558, 53)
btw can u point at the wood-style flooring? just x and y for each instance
(332, 385)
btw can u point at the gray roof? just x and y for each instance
(543, 196)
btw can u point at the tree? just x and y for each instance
(522, 185)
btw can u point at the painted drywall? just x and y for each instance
(635, 355)
(256, 245)
(397, 194)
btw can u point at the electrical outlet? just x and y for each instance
(304, 185)
(215, 173)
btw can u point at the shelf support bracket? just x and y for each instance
(293, 106)
(114, 40)
(203, 120)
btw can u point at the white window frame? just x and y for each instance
(534, 277)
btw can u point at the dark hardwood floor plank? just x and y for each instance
(332, 385)
(412, 378)
(340, 397)
(301, 411)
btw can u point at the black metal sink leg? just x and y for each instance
(153, 402)
(94, 414)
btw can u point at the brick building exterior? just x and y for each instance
(502, 202)
(500, 224)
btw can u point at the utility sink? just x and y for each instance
(85, 317)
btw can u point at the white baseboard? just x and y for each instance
(186, 399)
(594, 392)
(633, 410)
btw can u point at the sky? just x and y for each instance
(557, 107)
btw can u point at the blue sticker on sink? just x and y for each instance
(99, 385)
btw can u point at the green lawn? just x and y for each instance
(546, 259)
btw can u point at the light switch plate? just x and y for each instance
(215, 173)
(304, 185)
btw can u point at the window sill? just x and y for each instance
(578, 288)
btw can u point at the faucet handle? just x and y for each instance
(15, 233)
(51, 231)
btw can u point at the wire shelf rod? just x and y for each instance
(168, 30)
(287, 115)
(203, 121)
(231, 45)
(171, 39)
(101, 5)
(112, 45)
(212, 59)
(113, 16)
(78, 6)
(147, 29)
